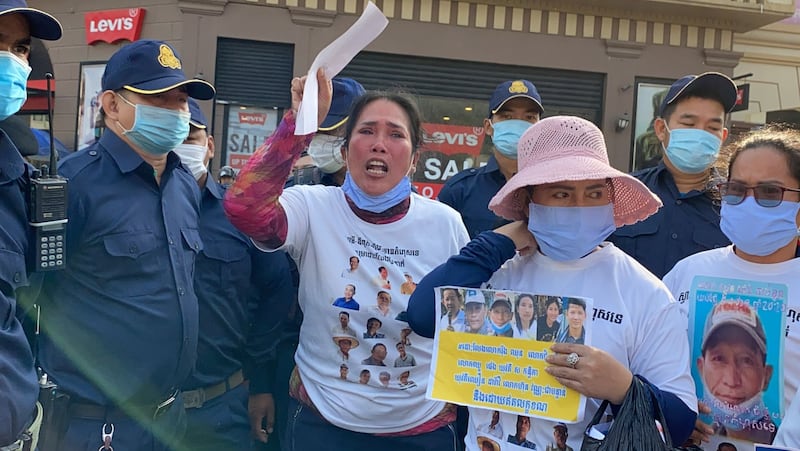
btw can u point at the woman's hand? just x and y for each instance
(702, 431)
(523, 240)
(597, 374)
(324, 94)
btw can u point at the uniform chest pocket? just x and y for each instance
(130, 245)
(227, 258)
(134, 265)
(191, 240)
(225, 251)
(12, 269)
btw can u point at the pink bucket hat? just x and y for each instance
(568, 148)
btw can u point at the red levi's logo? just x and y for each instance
(252, 118)
(114, 25)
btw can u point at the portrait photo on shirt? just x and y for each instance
(381, 280)
(404, 358)
(373, 326)
(344, 346)
(408, 286)
(342, 326)
(352, 267)
(377, 355)
(383, 305)
(405, 382)
(348, 299)
(509, 432)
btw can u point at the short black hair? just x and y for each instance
(576, 301)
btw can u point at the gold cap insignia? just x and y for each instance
(167, 58)
(518, 87)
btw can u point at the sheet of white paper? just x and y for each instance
(334, 58)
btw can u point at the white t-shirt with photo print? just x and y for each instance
(323, 233)
(634, 318)
(724, 263)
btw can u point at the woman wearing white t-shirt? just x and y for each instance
(566, 199)
(375, 216)
(761, 216)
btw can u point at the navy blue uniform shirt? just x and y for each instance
(688, 223)
(469, 193)
(18, 386)
(121, 320)
(244, 295)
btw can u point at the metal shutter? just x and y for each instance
(254, 73)
(562, 91)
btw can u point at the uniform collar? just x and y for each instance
(214, 188)
(491, 165)
(663, 173)
(12, 166)
(125, 157)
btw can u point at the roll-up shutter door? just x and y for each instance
(562, 91)
(254, 73)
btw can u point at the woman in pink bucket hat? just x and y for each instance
(565, 200)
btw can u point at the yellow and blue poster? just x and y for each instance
(736, 331)
(490, 349)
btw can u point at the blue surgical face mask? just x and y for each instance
(691, 150)
(759, 230)
(380, 203)
(739, 417)
(506, 136)
(157, 130)
(569, 233)
(14, 73)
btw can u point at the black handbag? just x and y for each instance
(634, 427)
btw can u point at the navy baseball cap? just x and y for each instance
(345, 93)
(227, 171)
(714, 83)
(198, 119)
(511, 90)
(42, 25)
(151, 67)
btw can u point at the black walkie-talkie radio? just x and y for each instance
(47, 204)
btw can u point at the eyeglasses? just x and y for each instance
(766, 195)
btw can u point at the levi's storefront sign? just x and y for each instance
(114, 25)
(247, 129)
(450, 149)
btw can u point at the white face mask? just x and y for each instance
(193, 157)
(326, 151)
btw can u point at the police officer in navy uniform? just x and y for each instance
(514, 106)
(691, 129)
(227, 175)
(244, 295)
(121, 322)
(19, 414)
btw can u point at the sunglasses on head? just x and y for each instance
(766, 194)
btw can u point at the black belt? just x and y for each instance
(91, 411)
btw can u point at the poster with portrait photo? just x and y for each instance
(736, 331)
(89, 88)
(487, 353)
(646, 147)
